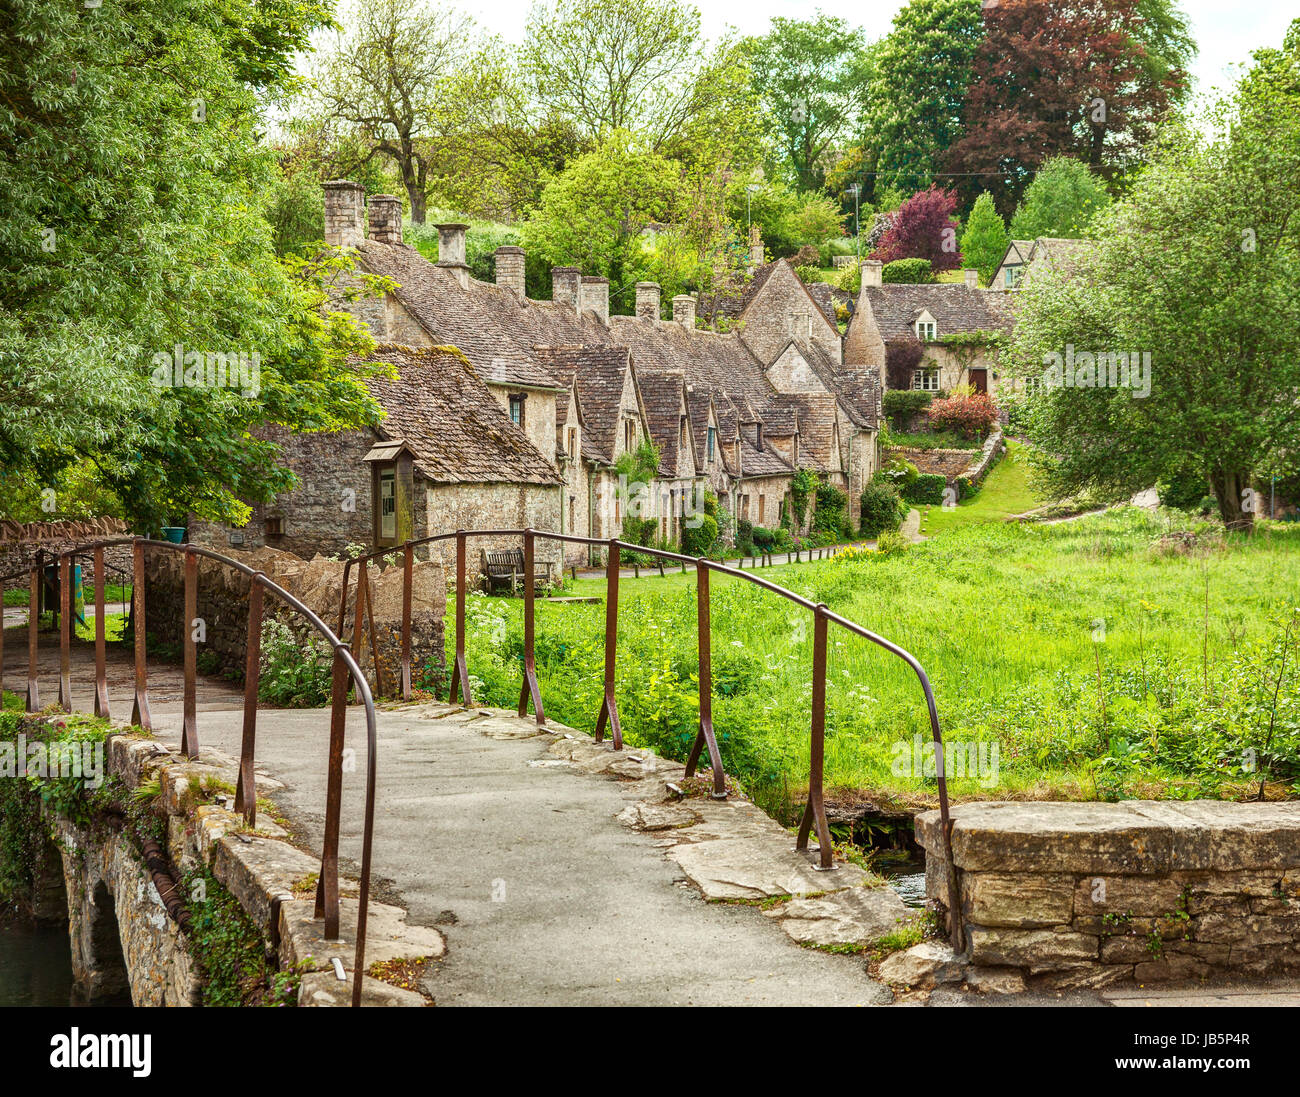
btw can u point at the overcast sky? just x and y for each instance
(1225, 30)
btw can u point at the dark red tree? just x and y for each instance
(1058, 77)
(924, 228)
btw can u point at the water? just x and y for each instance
(35, 964)
(910, 887)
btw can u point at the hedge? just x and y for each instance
(926, 487)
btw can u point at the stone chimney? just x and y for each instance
(684, 310)
(755, 246)
(344, 220)
(565, 285)
(647, 301)
(871, 272)
(451, 251)
(510, 268)
(595, 297)
(972, 278)
(385, 214)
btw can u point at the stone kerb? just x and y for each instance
(1090, 894)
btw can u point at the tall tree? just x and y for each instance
(1197, 270)
(1061, 201)
(810, 74)
(923, 227)
(132, 224)
(985, 240)
(1056, 77)
(395, 78)
(918, 88)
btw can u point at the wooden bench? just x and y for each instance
(504, 570)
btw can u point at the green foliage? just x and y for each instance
(907, 270)
(901, 406)
(882, 509)
(985, 240)
(803, 485)
(745, 537)
(1061, 201)
(700, 540)
(925, 488)
(227, 948)
(293, 674)
(831, 512)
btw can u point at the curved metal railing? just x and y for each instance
(814, 811)
(345, 666)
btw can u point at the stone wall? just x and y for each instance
(1088, 894)
(21, 541)
(223, 606)
(954, 464)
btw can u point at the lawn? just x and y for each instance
(1008, 490)
(1090, 660)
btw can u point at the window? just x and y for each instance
(1012, 276)
(1033, 386)
(925, 331)
(629, 435)
(762, 506)
(713, 435)
(275, 526)
(387, 505)
(683, 433)
(573, 443)
(517, 408)
(927, 380)
(571, 512)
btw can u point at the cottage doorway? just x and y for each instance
(979, 378)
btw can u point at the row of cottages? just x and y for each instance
(565, 392)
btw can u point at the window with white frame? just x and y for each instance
(925, 379)
(925, 330)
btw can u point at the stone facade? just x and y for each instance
(1090, 894)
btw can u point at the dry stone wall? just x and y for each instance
(1074, 895)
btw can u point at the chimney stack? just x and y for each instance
(647, 301)
(385, 215)
(755, 246)
(684, 310)
(510, 268)
(595, 298)
(344, 203)
(972, 279)
(451, 251)
(871, 272)
(565, 283)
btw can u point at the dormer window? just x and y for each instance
(517, 408)
(925, 328)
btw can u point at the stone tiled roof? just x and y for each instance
(456, 431)
(662, 395)
(860, 394)
(762, 462)
(814, 413)
(1017, 252)
(1057, 251)
(598, 371)
(955, 308)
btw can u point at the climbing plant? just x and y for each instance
(802, 488)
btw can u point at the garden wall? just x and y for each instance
(21, 541)
(954, 464)
(1090, 894)
(223, 606)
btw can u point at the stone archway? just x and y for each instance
(98, 964)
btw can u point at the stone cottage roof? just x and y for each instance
(955, 307)
(457, 433)
(814, 413)
(1017, 252)
(762, 462)
(662, 394)
(598, 371)
(1057, 251)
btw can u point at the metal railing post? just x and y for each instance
(529, 686)
(101, 655)
(327, 885)
(359, 622)
(140, 706)
(246, 789)
(609, 705)
(189, 721)
(815, 811)
(460, 672)
(65, 632)
(408, 565)
(705, 736)
(33, 625)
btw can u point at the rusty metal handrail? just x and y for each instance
(344, 666)
(814, 815)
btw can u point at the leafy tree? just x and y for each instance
(909, 272)
(923, 227)
(640, 66)
(1196, 268)
(133, 223)
(918, 88)
(592, 215)
(1061, 201)
(810, 74)
(1059, 77)
(985, 240)
(400, 79)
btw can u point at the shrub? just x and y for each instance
(764, 538)
(925, 487)
(810, 255)
(911, 271)
(699, 541)
(294, 674)
(745, 537)
(968, 416)
(901, 358)
(903, 405)
(640, 531)
(808, 274)
(850, 279)
(882, 508)
(891, 543)
(830, 516)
